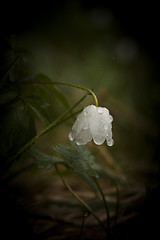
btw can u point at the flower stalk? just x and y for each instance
(80, 87)
(105, 205)
(66, 84)
(79, 199)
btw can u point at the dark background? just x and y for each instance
(140, 21)
(54, 22)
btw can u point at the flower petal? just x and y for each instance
(94, 122)
(83, 137)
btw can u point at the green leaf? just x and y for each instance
(40, 108)
(84, 152)
(16, 127)
(41, 78)
(6, 68)
(43, 160)
(116, 177)
(77, 159)
(80, 161)
(90, 181)
(6, 95)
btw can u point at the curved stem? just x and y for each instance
(79, 199)
(67, 84)
(80, 87)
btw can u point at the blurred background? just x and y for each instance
(110, 48)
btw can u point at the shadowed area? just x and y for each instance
(112, 50)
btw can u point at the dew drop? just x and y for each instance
(80, 143)
(110, 142)
(110, 118)
(71, 136)
(86, 214)
(85, 128)
(85, 112)
(98, 141)
(106, 111)
(100, 110)
(78, 118)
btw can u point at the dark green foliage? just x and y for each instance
(17, 124)
(7, 95)
(24, 97)
(17, 127)
(40, 108)
(41, 94)
(21, 100)
(14, 62)
(78, 159)
(43, 79)
(43, 160)
(5, 71)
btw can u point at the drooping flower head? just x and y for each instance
(93, 123)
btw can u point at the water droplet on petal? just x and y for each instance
(71, 136)
(85, 112)
(110, 118)
(98, 140)
(80, 142)
(100, 110)
(110, 142)
(106, 111)
(78, 118)
(85, 127)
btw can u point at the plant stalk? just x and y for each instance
(67, 84)
(79, 199)
(105, 205)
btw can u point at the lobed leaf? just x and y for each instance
(43, 79)
(6, 68)
(40, 107)
(43, 160)
(16, 127)
(77, 159)
(6, 95)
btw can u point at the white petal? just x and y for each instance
(94, 122)
(99, 140)
(77, 126)
(83, 137)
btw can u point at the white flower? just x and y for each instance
(93, 123)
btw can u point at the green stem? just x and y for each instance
(117, 204)
(106, 206)
(80, 87)
(79, 199)
(44, 131)
(66, 118)
(68, 84)
(82, 226)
